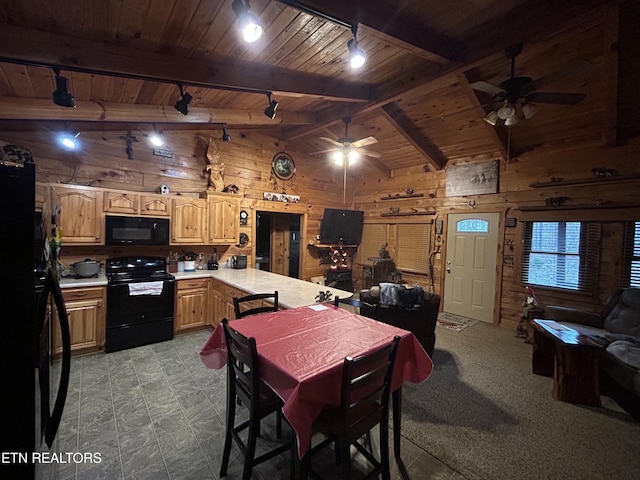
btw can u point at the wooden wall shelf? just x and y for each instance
(602, 206)
(331, 245)
(398, 196)
(586, 181)
(405, 214)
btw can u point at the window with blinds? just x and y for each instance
(412, 250)
(563, 255)
(374, 235)
(631, 267)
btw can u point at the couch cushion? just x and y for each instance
(400, 295)
(626, 352)
(625, 316)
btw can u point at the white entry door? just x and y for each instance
(470, 265)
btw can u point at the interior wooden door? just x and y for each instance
(280, 244)
(470, 266)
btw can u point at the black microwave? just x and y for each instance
(136, 230)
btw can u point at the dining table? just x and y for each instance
(301, 353)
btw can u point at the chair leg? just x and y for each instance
(384, 449)
(345, 459)
(231, 415)
(250, 452)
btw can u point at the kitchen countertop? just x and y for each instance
(292, 292)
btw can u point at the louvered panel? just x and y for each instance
(412, 252)
(374, 235)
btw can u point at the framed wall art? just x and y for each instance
(472, 179)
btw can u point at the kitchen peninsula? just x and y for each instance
(203, 298)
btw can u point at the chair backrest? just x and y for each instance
(243, 376)
(366, 381)
(244, 306)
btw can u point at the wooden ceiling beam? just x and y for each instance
(27, 46)
(12, 108)
(388, 23)
(415, 137)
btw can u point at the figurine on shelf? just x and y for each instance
(383, 252)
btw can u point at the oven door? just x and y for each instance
(134, 319)
(125, 308)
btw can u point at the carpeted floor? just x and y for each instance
(483, 413)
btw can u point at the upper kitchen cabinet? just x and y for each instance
(188, 221)
(223, 220)
(121, 202)
(80, 214)
(155, 205)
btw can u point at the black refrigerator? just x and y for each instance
(31, 403)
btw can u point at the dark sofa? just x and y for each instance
(617, 328)
(419, 316)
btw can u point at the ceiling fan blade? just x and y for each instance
(363, 142)
(557, 98)
(571, 68)
(487, 87)
(369, 153)
(332, 141)
(323, 151)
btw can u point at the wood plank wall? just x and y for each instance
(102, 162)
(514, 192)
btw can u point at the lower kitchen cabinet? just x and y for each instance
(87, 318)
(192, 304)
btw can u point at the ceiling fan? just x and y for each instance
(348, 148)
(514, 98)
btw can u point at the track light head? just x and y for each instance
(69, 139)
(356, 56)
(225, 134)
(247, 23)
(270, 111)
(61, 95)
(182, 105)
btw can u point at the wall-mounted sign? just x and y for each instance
(280, 197)
(161, 152)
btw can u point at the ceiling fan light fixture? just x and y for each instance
(506, 111)
(61, 95)
(491, 118)
(270, 111)
(247, 23)
(512, 120)
(529, 110)
(182, 105)
(349, 154)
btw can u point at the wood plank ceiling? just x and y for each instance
(414, 94)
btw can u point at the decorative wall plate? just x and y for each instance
(244, 217)
(283, 166)
(244, 240)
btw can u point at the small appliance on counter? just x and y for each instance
(212, 264)
(239, 261)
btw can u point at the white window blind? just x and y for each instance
(631, 267)
(374, 235)
(412, 252)
(563, 255)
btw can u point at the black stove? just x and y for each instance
(140, 302)
(136, 269)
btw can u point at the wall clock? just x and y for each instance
(283, 166)
(244, 217)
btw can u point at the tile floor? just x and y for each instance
(155, 412)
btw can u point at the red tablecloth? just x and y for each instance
(301, 352)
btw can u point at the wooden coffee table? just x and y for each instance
(571, 358)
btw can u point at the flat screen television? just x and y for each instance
(341, 226)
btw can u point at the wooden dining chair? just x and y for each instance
(244, 383)
(244, 306)
(364, 403)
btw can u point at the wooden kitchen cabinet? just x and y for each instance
(155, 205)
(192, 304)
(80, 217)
(87, 320)
(121, 202)
(188, 221)
(223, 224)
